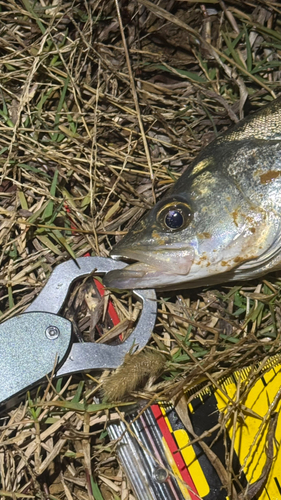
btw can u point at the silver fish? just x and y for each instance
(220, 222)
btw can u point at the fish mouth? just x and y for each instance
(150, 269)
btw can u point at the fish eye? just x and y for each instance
(175, 216)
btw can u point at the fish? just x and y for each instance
(221, 220)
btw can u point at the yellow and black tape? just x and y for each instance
(252, 401)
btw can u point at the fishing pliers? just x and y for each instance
(40, 341)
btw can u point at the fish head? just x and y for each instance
(206, 227)
(159, 239)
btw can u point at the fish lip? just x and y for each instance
(146, 257)
(164, 260)
(127, 256)
(138, 255)
(129, 279)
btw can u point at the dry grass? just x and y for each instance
(99, 114)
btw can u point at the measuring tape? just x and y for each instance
(170, 468)
(162, 461)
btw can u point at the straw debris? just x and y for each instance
(102, 106)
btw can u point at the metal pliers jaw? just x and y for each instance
(35, 342)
